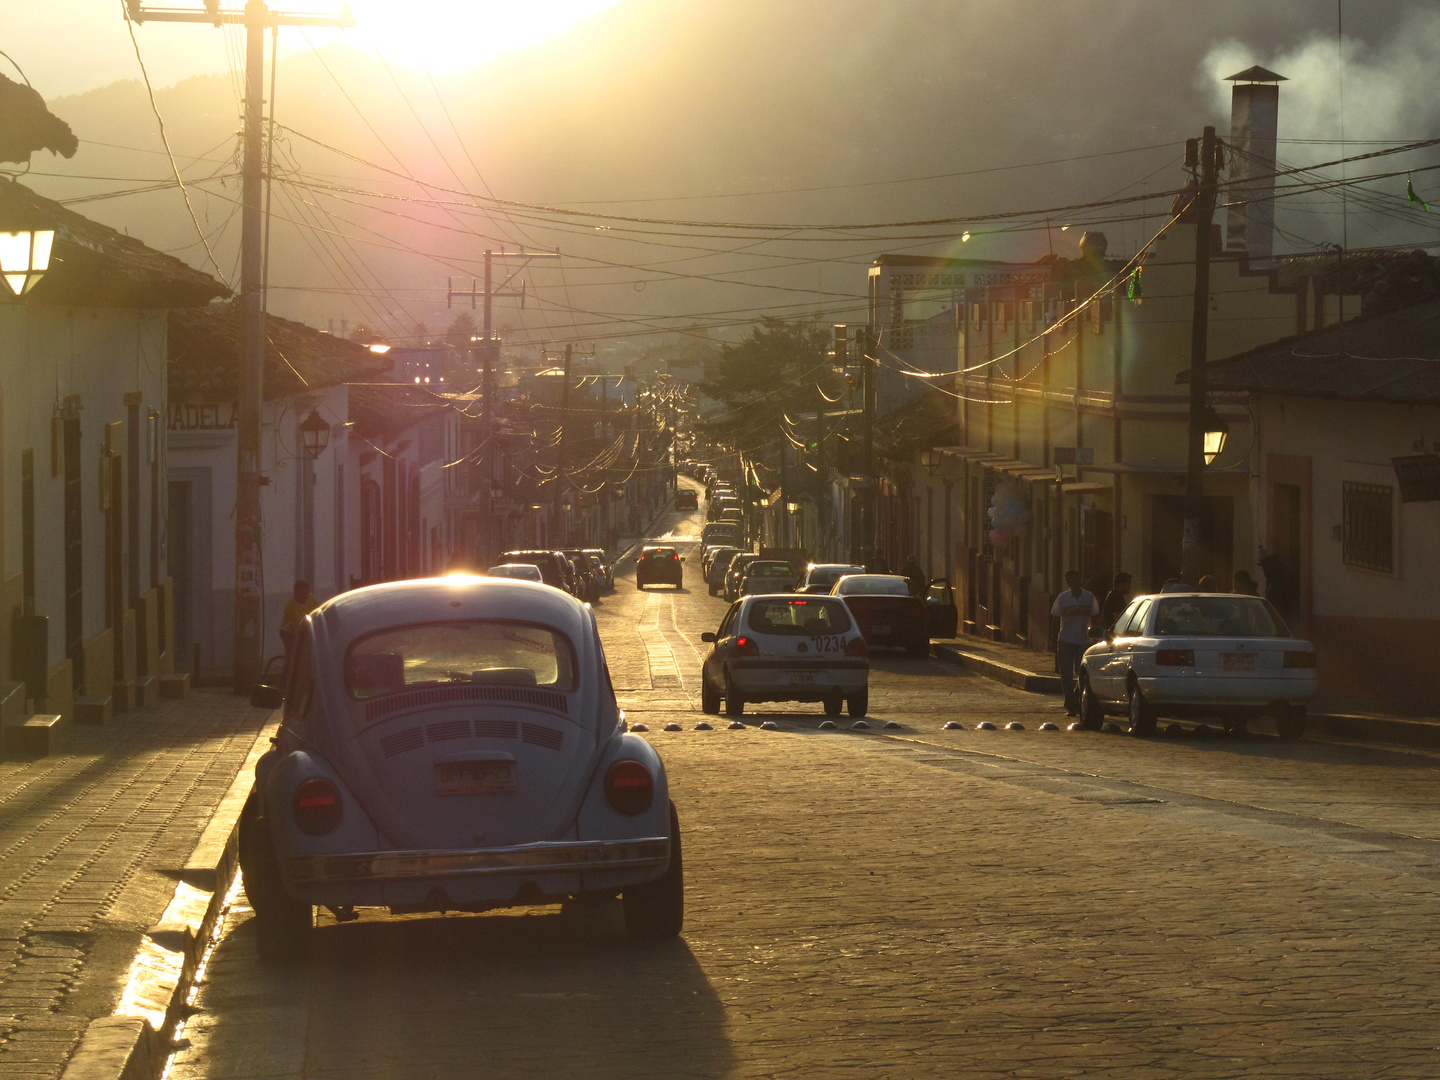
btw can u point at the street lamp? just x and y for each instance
(314, 435)
(792, 505)
(567, 503)
(930, 460)
(1216, 431)
(24, 258)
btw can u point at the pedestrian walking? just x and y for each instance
(1116, 600)
(1076, 607)
(300, 604)
(1209, 584)
(918, 579)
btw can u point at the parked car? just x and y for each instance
(719, 532)
(820, 578)
(719, 562)
(786, 648)
(453, 744)
(555, 568)
(767, 576)
(1222, 655)
(603, 566)
(733, 575)
(940, 605)
(687, 499)
(659, 565)
(885, 611)
(587, 577)
(519, 571)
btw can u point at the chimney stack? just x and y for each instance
(1254, 113)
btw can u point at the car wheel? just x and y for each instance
(833, 703)
(282, 924)
(859, 704)
(712, 590)
(1092, 713)
(1290, 722)
(1142, 716)
(709, 699)
(639, 585)
(734, 700)
(655, 910)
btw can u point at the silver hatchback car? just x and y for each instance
(786, 647)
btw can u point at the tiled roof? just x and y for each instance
(383, 409)
(1393, 357)
(204, 351)
(92, 265)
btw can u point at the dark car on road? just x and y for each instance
(555, 568)
(659, 565)
(587, 575)
(885, 611)
(603, 567)
(687, 499)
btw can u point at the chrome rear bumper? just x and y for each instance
(546, 857)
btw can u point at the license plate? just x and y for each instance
(880, 628)
(474, 777)
(1238, 661)
(802, 678)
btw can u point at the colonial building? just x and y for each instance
(82, 463)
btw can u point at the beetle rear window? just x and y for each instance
(488, 652)
(794, 616)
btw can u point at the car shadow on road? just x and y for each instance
(545, 993)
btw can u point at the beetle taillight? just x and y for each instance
(745, 646)
(857, 647)
(1175, 657)
(629, 787)
(1299, 658)
(317, 806)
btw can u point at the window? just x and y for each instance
(810, 616)
(1135, 626)
(1219, 616)
(1368, 533)
(442, 654)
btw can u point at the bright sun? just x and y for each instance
(452, 35)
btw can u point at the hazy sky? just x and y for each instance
(69, 46)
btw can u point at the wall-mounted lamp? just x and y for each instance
(931, 460)
(1216, 431)
(24, 258)
(792, 505)
(314, 435)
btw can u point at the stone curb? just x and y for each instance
(994, 669)
(134, 1042)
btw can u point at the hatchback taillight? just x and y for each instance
(317, 806)
(857, 647)
(1175, 657)
(1299, 658)
(745, 646)
(629, 787)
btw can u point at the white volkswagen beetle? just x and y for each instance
(454, 744)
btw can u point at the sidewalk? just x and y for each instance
(1034, 671)
(92, 842)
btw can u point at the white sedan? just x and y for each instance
(786, 647)
(1220, 655)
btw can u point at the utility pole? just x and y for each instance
(489, 360)
(1205, 155)
(867, 408)
(560, 453)
(256, 18)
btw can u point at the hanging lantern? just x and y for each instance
(314, 435)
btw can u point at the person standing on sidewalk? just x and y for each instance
(301, 603)
(915, 576)
(1116, 600)
(1076, 607)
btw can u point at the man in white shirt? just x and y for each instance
(1074, 607)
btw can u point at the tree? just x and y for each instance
(462, 329)
(772, 372)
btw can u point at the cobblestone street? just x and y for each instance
(909, 902)
(92, 841)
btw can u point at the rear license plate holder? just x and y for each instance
(474, 777)
(802, 678)
(880, 628)
(1238, 661)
